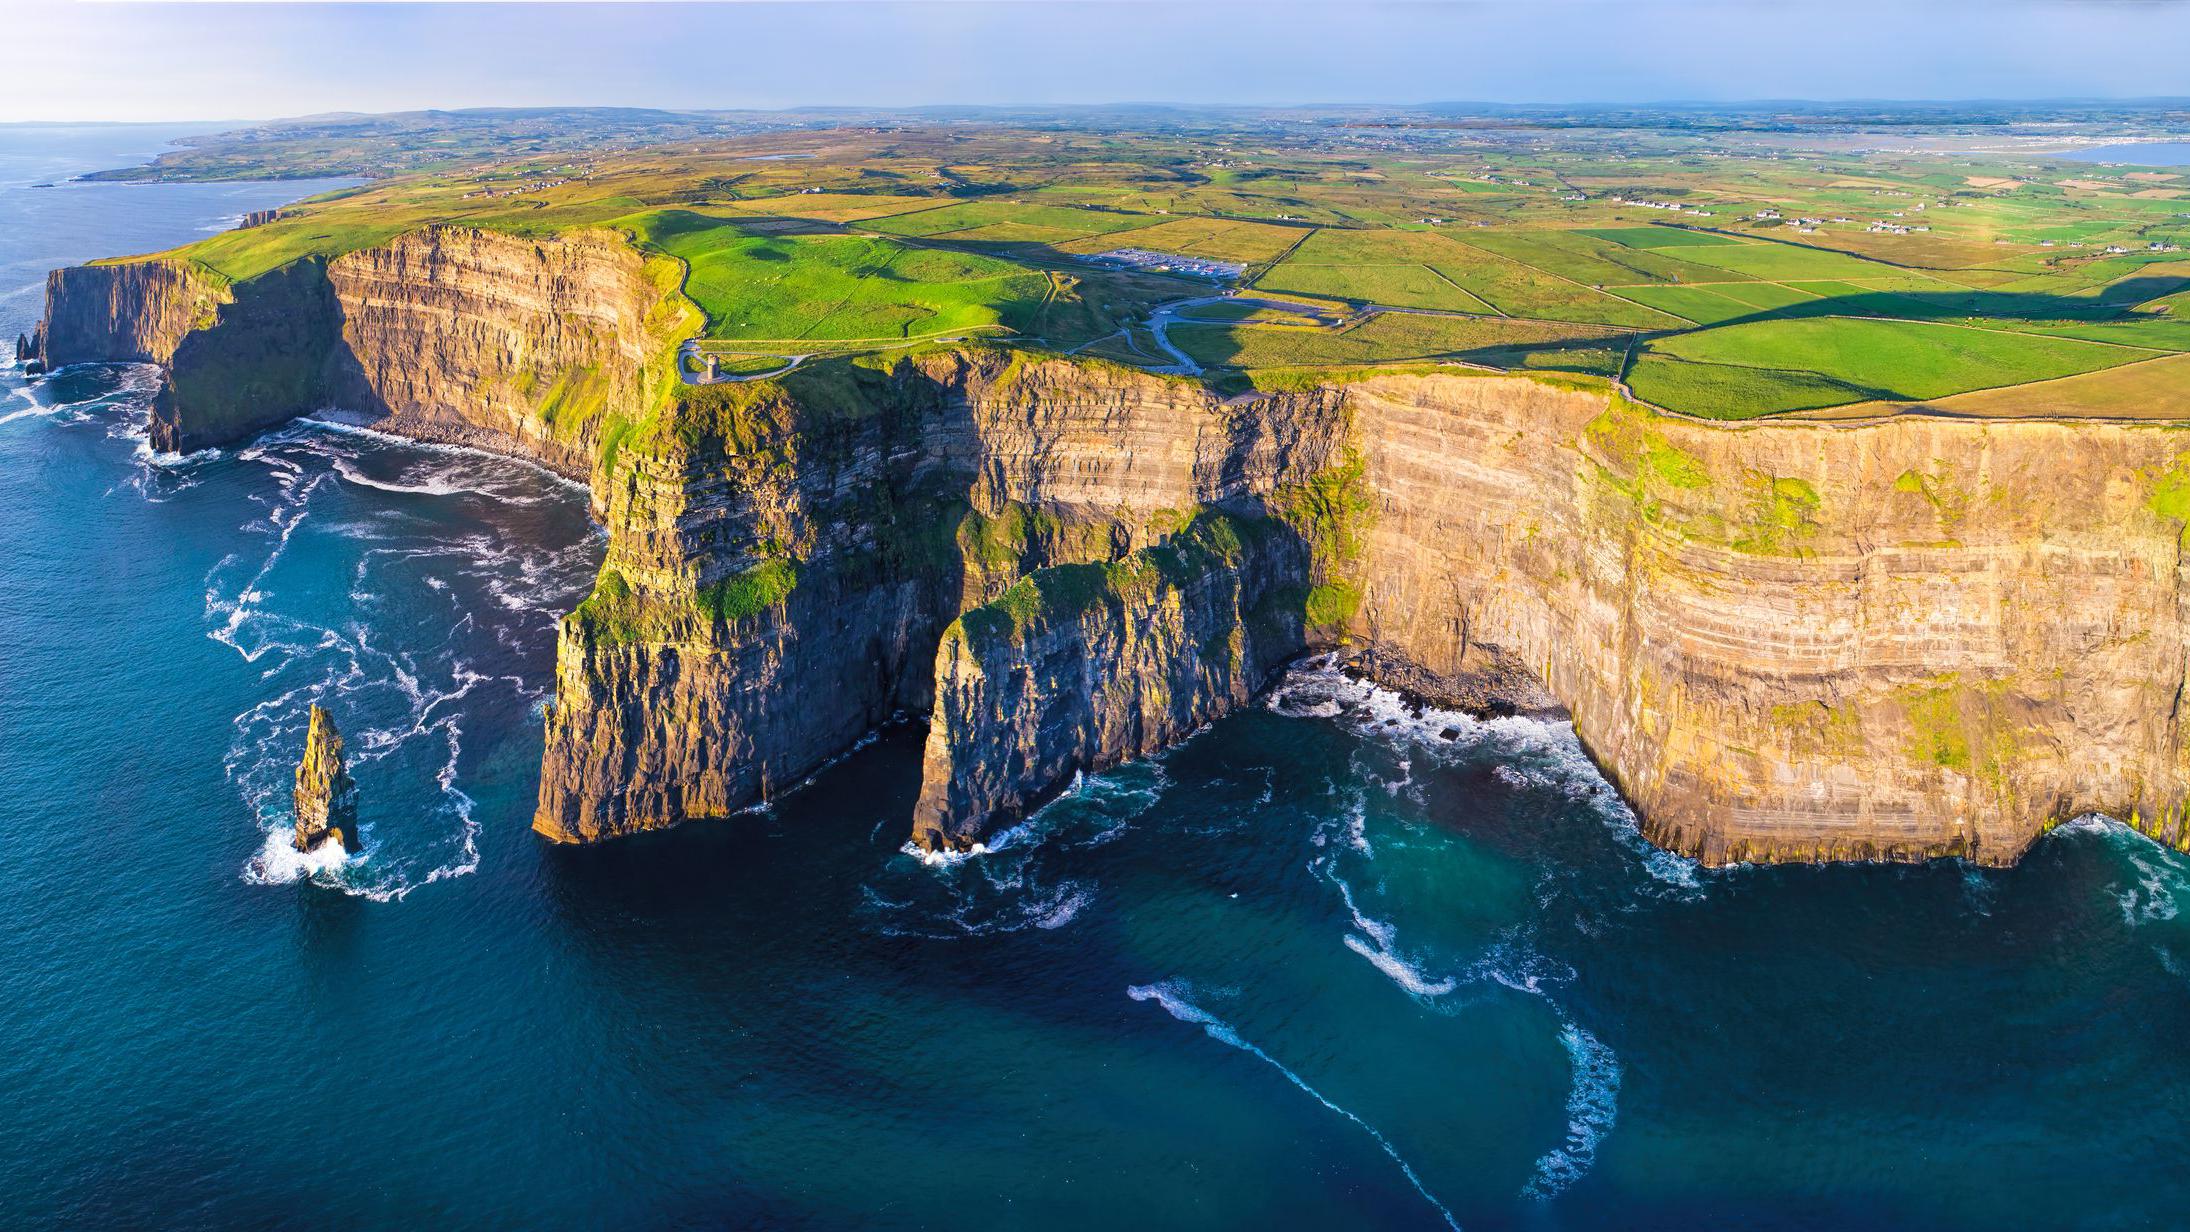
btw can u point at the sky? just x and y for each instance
(214, 60)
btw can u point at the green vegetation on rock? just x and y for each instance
(746, 594)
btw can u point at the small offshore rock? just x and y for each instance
(326, 796)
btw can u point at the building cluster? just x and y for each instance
(1166, 263)
(513, 190)
(1676, 207)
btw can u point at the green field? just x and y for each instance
(1762, 368)
(1659, 237)
(1394, 337)
(1799, 280)
(835, 286)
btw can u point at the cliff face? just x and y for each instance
(529, 347)
(1790, 642)
(786, 559)
(1782, 641)
(326, 796)
(1078, 667)
(133, 313)
(263, 358)
(538, 348)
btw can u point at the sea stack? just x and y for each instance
(326, 796)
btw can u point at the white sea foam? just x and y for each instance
(2153, 897)
(2158, 871)
(1173, 997)
(280, 863)
(1535, 754)
(1375, 939)
(324, 421)
(1592, 1104)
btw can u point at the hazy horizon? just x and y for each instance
(199, 61)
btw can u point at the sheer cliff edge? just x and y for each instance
(1782, 641)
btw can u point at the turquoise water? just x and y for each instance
(1319, 968)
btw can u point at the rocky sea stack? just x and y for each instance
(326, 795)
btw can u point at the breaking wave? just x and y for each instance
(1530, 754)
(1015, 880)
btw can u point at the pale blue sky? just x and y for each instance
(192, 59)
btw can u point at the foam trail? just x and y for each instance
(1170, 997)
(1592, 1104)
(1377, 948)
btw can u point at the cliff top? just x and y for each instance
(1748, 284)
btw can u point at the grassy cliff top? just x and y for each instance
(1723, 280)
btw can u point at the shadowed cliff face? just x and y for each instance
(133, 313)
(536, 348)
(1782, 641)
(786, 560)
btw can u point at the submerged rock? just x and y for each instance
(326, 796)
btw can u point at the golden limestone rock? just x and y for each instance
(326, 795)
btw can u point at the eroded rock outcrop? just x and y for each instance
(1079, 667)
(326, 796)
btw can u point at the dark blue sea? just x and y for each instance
(1319, 968)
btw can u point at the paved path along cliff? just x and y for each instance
(1782, 641)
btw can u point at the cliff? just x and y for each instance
(136, 312)
(1078, 667)
(787, 556)
(326, 796)
(1782, 641)
(1795, 642)
(541, 348)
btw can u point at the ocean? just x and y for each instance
(1327, 965)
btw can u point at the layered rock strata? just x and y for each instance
(325, 796)
(1782, 641)
(541, 348)
(787, 557)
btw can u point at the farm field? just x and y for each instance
(2147, 389)
(1719, 277)
(759, 286)
(1397, 337)
(1762, 368)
